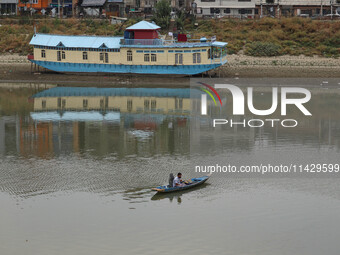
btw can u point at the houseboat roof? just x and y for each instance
(72, 41)
(219, 44)
(96, 116)
(75, 116)
(143, 25)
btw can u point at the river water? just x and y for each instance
(78, 165)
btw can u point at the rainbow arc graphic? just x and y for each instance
(204, 97)
(209, 93)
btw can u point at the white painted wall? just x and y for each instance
(226, 4)
(297, 2)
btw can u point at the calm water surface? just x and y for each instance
(77, 165)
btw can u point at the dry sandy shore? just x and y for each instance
(14, 68)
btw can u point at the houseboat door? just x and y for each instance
(178, 59)
(104, 57)
(58, 55)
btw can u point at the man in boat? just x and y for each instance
(178, 181)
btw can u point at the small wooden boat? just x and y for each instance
(194, 182)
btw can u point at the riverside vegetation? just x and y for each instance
(261, 38)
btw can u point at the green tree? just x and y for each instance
(162, 14)
(180, 19)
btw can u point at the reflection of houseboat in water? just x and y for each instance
(107, 104)
(100, 120)
(139, 51)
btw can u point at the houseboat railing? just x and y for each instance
(160, 42)
(142, 42)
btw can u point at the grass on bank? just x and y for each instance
(264, 37)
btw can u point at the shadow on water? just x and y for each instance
(177, 195)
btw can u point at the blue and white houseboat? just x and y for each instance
(140, 51)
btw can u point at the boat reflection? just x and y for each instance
(143, 122)
(79, 119)
(92, 101)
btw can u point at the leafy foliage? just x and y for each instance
(263, 49)
(162, 14)
(44, 30)
(180, 20)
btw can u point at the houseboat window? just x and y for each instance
(63, 55)
(146, 104)
(153, 57)
(101, 56)
(43, 104)
(59, 102)
(146, 57)
(196, 58)
(85, 103)
(129, 105)
(224, 52)
(34, 1)
(58, 55)
(129, 55)
(106, 58)
(84, 55)
(216, 52)
(153, 104)
(209, 53)
(178, 103)
(63, 102)
(43, 53)
(178, 58)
